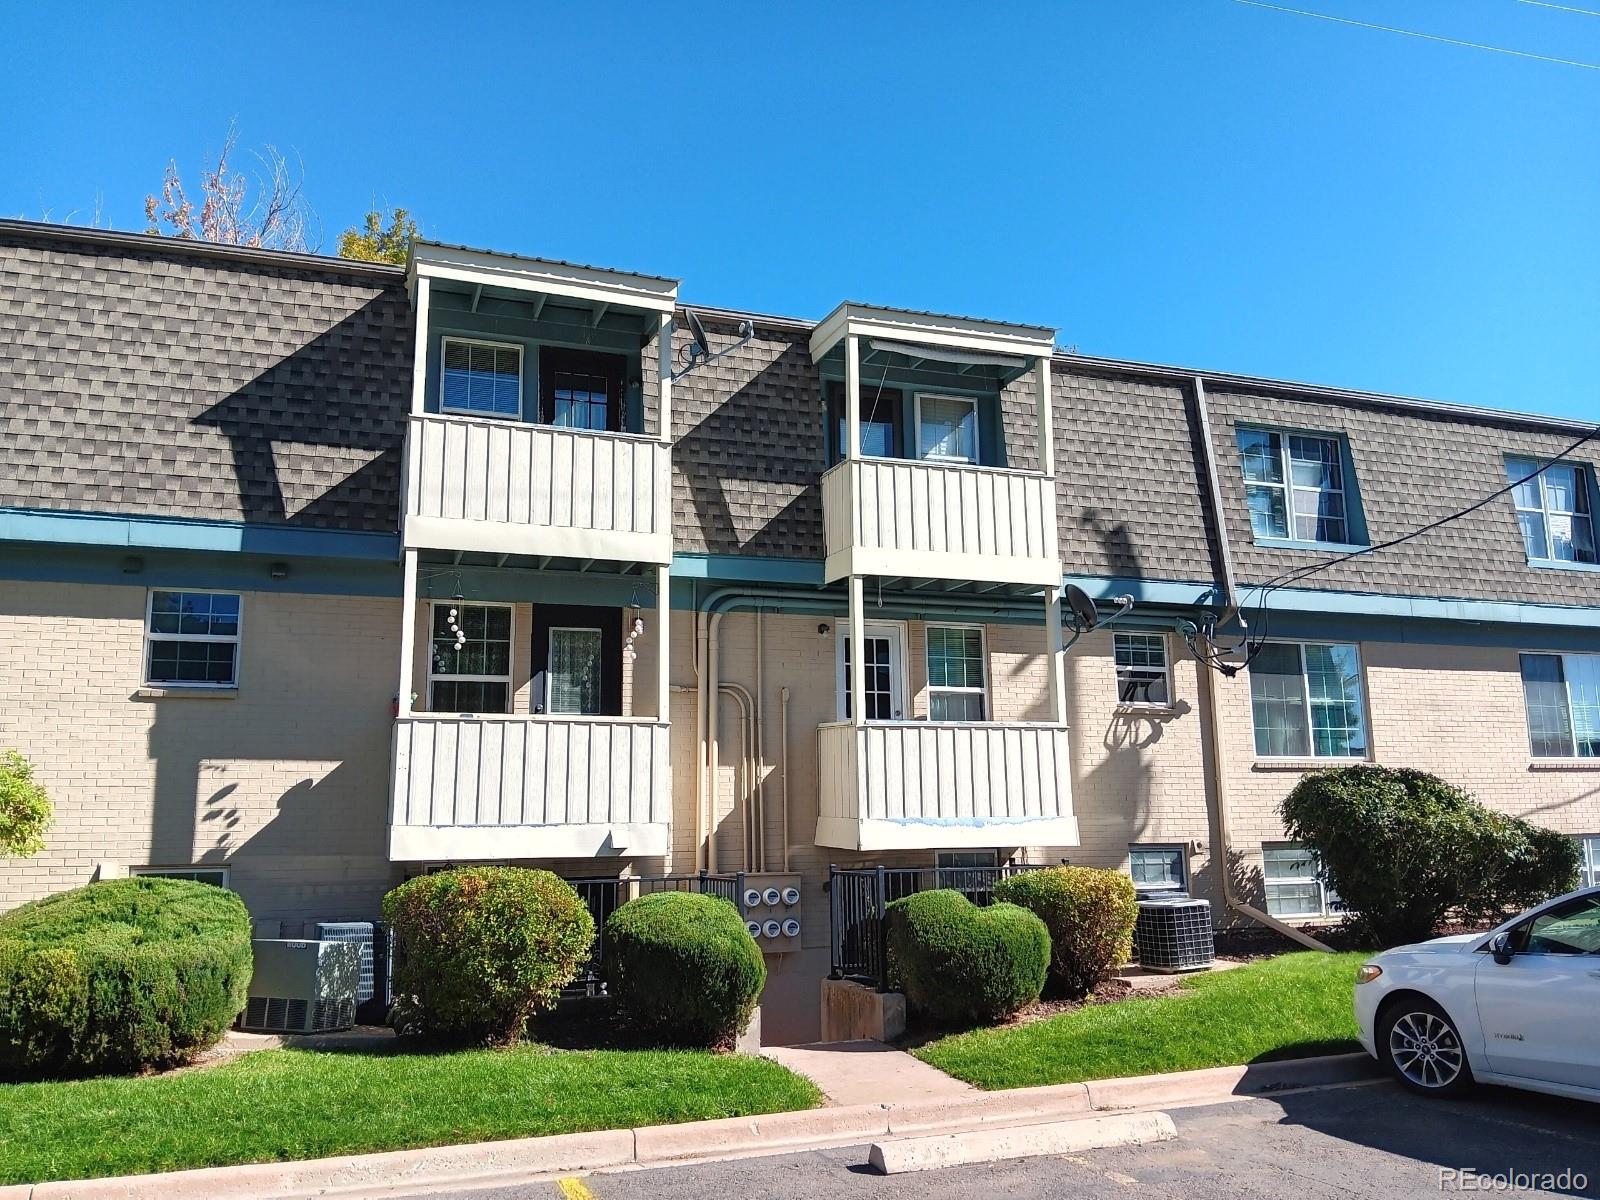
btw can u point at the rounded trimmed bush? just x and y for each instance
(482, 949)
(1405, 849)
(1090, 914)
(960, 963)
(119, 975)
(683, 967)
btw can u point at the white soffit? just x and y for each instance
(910, 328)
(591, 285)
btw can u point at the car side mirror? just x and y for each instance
(1500, 948)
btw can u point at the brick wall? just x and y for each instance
(285, 781)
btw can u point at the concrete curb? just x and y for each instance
(1019, 1141)
(1219, 1083)
(507, 1163)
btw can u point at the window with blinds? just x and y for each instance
(483, 378)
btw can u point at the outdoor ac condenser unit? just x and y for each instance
(360, 933)
(1174, 933)
(302, 987)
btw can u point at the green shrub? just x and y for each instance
(482, 949)
(683, 968)
(1404, 849)
(960, 963)
(1090, 914)
(24, 807)
(120, 975)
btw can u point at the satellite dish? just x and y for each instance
(697, 331)
(700, 346)
(1084, 616)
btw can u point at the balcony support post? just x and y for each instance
(1056, 654)
(663, 643)
(1047, 434)
(664, 373)
(852, 397)
(408, 631)
(858, 664)
(419, 352)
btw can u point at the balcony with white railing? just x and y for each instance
(934, 520)
(916, 785)
(481, 484)
(511, 787)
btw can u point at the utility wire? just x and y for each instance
(1256, 632)
(1566, 8)
(1428, 37)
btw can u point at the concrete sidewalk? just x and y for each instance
(867, 1072)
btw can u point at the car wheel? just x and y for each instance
(1422, 1048)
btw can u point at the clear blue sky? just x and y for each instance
(1182, 181)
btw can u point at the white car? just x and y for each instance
(1519, 1006)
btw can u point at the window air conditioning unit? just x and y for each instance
(302, 987)
(1173, 933)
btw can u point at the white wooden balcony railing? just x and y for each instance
(913, 785)
(500, 787)
(884, 516)
(479, 484)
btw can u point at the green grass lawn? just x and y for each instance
(1287, 1007)
(276, 1105)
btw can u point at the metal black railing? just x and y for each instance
(859, 897)
(604, 896)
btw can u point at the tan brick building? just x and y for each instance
(315, 574)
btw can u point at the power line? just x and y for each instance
(1567, 8)
(1428, 37)
(1256, 634)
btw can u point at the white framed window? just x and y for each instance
(469, 659)
(574, 671)
(1294, 485)
(1589, 867)
(216, 876)
(1293, 889)
(1144, 677)
(957, 688)
(947, 428)
(1158, 868)
(1306, 701)
(1562, 695)
(481, 378)
(885, 671)
(192, 639)
(1553, 510)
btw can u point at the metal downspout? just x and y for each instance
(783, 698)
(709, 685)
(741, 697)
(699, 740)
(1219, 768)
(759, 797)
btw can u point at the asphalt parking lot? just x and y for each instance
(1364, 1140)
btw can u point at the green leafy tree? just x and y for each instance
(24, 807)
(374, 241)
